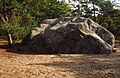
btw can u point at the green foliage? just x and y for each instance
(19, 27)
(18, 17)
(19, 22)
(12, 27)
(88, 12)
(108, 16)
(43, 9)
(22, 15)
(104, 24)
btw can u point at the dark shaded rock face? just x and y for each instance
(68, 35)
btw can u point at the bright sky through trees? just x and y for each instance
(116, 2)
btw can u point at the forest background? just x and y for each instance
(18, 17)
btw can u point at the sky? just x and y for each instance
(114, 1)
(117, 1)
(90, 6)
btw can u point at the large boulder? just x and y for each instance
(69, 35)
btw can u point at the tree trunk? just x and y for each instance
(94, 11)
(10, 41)
(5, 19)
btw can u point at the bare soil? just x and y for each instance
(15, 65)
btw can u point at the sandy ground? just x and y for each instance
(14, 65)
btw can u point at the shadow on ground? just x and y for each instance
(4, 47)
(88, 66)
(82, 65)
(16, 48)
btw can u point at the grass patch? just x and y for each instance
(117, 41)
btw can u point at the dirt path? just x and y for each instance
(13, 65)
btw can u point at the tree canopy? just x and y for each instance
(103, 12)
(18, 17)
